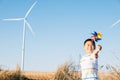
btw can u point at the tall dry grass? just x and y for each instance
(67, 71)
(114, 72)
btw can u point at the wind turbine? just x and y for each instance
(118, 21)
(25, 22)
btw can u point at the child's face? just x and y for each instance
(89, 48)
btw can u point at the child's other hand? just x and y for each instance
(99, 47)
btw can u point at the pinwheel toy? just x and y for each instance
(96, 36)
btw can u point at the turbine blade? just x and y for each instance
(13, 19)
(30, 9)
(29, 26)
(115, 23)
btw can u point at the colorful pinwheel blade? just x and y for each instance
(99, 35)
(96, 40)
(99, 39)
(94, 33)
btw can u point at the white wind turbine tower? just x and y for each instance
(25, 24)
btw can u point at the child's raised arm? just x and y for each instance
(96, 51)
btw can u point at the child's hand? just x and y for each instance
(99, 48)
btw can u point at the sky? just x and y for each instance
(60, 27)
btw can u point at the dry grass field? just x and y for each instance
(13, 75)
(38, 75)
(67, 71)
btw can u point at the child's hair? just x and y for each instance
(93, 42)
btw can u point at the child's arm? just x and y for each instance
(96, 51)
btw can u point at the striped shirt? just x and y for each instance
(89, 67)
